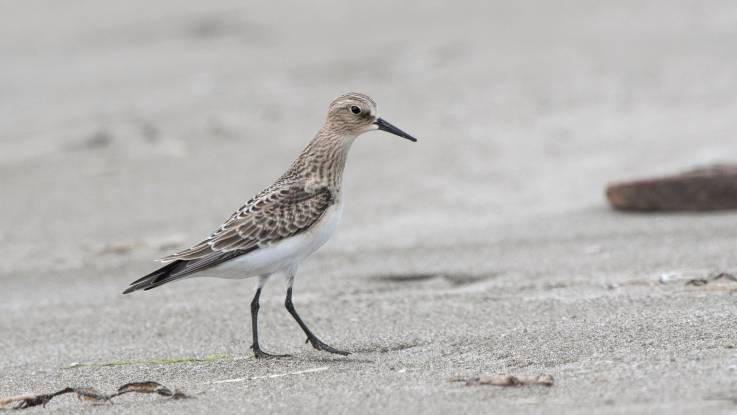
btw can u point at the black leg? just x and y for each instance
(254, 329)
(316, 343)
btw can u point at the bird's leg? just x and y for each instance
(316, 343)
(257, 352)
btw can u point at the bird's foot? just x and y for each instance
(260, 354)
(319, 345)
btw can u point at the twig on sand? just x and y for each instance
(505, 380)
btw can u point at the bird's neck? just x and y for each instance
(321, 163)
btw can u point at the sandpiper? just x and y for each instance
(282, 225)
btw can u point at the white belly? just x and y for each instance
(281, 255)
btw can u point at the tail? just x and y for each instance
(159, 277)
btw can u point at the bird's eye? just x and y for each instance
(355, 110)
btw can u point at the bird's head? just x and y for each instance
(353, 114)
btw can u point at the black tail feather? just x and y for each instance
(156, 278)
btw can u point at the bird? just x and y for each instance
(277, 229)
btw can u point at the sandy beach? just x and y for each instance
(131, 130)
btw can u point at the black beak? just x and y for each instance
(389, 128)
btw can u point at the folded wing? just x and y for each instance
(275, 214)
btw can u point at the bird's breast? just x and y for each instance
(322, 231)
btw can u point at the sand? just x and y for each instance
(132, 129)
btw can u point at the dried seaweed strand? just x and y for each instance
(505, 380)
(91, 394)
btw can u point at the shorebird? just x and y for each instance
(286, 222)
